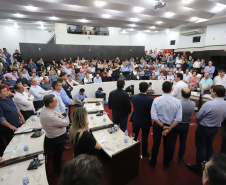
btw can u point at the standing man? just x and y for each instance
(24, 101)
(80, 96)
(120, 104)
(8, 56)
(206, 83)
(67, 86)
(38, 94)
(10, 116)
(166, 111)
(54, 125)
(188, 108)
(210, 69)
(141, 117)
(179, 85)
(209, 119)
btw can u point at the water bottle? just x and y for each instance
(38, 114)
(125, 139)
(32, 118)
(25, 148)
(25, 180)
(104, 119)
(91, 117)
(126, 133)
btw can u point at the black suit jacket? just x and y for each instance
(68, 89)
(135, 77)
(142, 110)
(119, 102)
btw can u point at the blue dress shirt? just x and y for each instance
(65, 98)
(167, 109)
(212, 113)
(80, 97)
(60, 104)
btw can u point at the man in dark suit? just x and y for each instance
(67, 87)
(120, 104)
(141, 117)
(137, 76)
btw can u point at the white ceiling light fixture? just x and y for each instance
(100, 3)
(84, 20)
(31, 8)
(124, 32)
(19, 15)
(187, 1)
(219, 7)
(148, 31)
(42, 27)
(159, 22)
(201, 20)
(131, 29)
(132, 25)
(138, 9)
(135, 19)
(152, 27)
(194, 19)
(106, 16)
(167, 30)
(156, 31)
(10, 20)
(169, 14)
(54, 18)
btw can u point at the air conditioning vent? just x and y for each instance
(192, 32)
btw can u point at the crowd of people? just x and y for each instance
(28, 86)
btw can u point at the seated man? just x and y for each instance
(46, 85)
(24, 101)
(130, 90)
(10, 116)
(97, 79)
(79, 97)
(10, 82)
(206, 83)
(150, 89)
(54, 125)
(23, 80)
(83, 170)
(99, 93)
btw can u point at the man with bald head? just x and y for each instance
(188, 108)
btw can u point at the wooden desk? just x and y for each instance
(195, 97)
(90, 107)
(36, 177)
(92, 100)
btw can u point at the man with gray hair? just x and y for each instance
(38, 94)
(188, 108)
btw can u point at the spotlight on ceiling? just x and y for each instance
(100, 3)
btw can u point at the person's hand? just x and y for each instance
(39, 93)
(28, 100)
(165, 132)
(22, 119)
(165, 127)
(13, 128)
(29, 95)
(1, 160)
(71, 102)
(60, 116)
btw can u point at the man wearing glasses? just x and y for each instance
(209, 119)
(214, 170)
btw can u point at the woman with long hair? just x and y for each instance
(82, 140)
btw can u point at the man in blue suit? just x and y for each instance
(141, 117)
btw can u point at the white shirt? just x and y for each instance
(197, 64)
(186, 77)
(35, 90)
(220, 81)
(177, 89)
(97, 80)
(161, 78)
(23, 101)
(178, 63)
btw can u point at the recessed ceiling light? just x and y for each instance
(219, 7)
(156, 31)
(54, 18)
(159, 22)
(31, 8)
(132, 25)
(167, 30)
(10, 20)
(138, 9)
(201, 20)
(148, 31)
(18, 15)
(131, 29)
(84, 20)
(152, 27)
(187, 1)
(124, 32)
(135, 19)
(194, 19)
(169, 14)
(106, 16)
(100, 3)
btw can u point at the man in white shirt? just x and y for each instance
(186, 76)
(221, 78)
(36, 77)
(97, 79)
(25, 74)
(68, 70)
(38, 94)
(178, 63)
(161, 77)
(170, 77)
(24, 101)
(179, 86)
(197, 65)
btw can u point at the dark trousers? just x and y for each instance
(168, 145)
(182, 130)
(38, 104)
(204, 137)
(8, 135)
(145, 132)
(57, 146)
(223, 145)
(122, 121)
(27, 114)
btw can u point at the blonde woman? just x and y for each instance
(82, 140)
